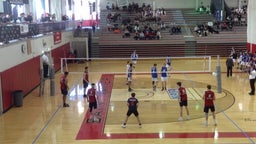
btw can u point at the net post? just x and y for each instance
(218, 77)
(87, 49)
(52, 79)
(210, 63)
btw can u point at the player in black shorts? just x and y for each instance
(132, 104)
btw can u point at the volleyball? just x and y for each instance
(214, 73)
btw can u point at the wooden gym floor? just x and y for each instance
(43, 120)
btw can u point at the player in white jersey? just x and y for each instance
(134, 57)
(129, 77)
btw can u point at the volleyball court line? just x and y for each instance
(90, 131)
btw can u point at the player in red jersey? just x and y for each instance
(209, 98)
(132, 104)
(85, 80)
(183, 101)
(64, 88)
(92, 99)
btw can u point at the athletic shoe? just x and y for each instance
(130, 90)
(140, 126)
(85, 95)
(180, 119)
(188, 117)
(215, 123)
(251, 93)
(65, 105)
(123, 126)
(154, 88)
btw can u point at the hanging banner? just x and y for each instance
(57, 37)
(17, 2)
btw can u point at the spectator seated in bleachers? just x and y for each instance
(126, 33)
(226, 25)
(142, 35)
(158, 35)
(212, 30)
(175, 30)
(117, 31)
(161, 11)
(196, 29)
(239, 15)
(203, 30)
(136, 28)
(162, 26)
(149, 32)
(151, 35)
(137, 36)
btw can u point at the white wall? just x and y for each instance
(12, 55)
(1, 6)
(251, 20)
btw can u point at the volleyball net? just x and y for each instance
(197, 64)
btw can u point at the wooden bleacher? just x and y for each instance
(113, 45)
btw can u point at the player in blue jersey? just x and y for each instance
(134, 57)
(164, 72)
(154, 76)
(168, 61)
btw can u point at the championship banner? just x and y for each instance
(57, 37)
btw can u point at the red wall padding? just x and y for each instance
(25, 77)
(61, 52)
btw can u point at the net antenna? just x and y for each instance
(218, 77)
(64, 65)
